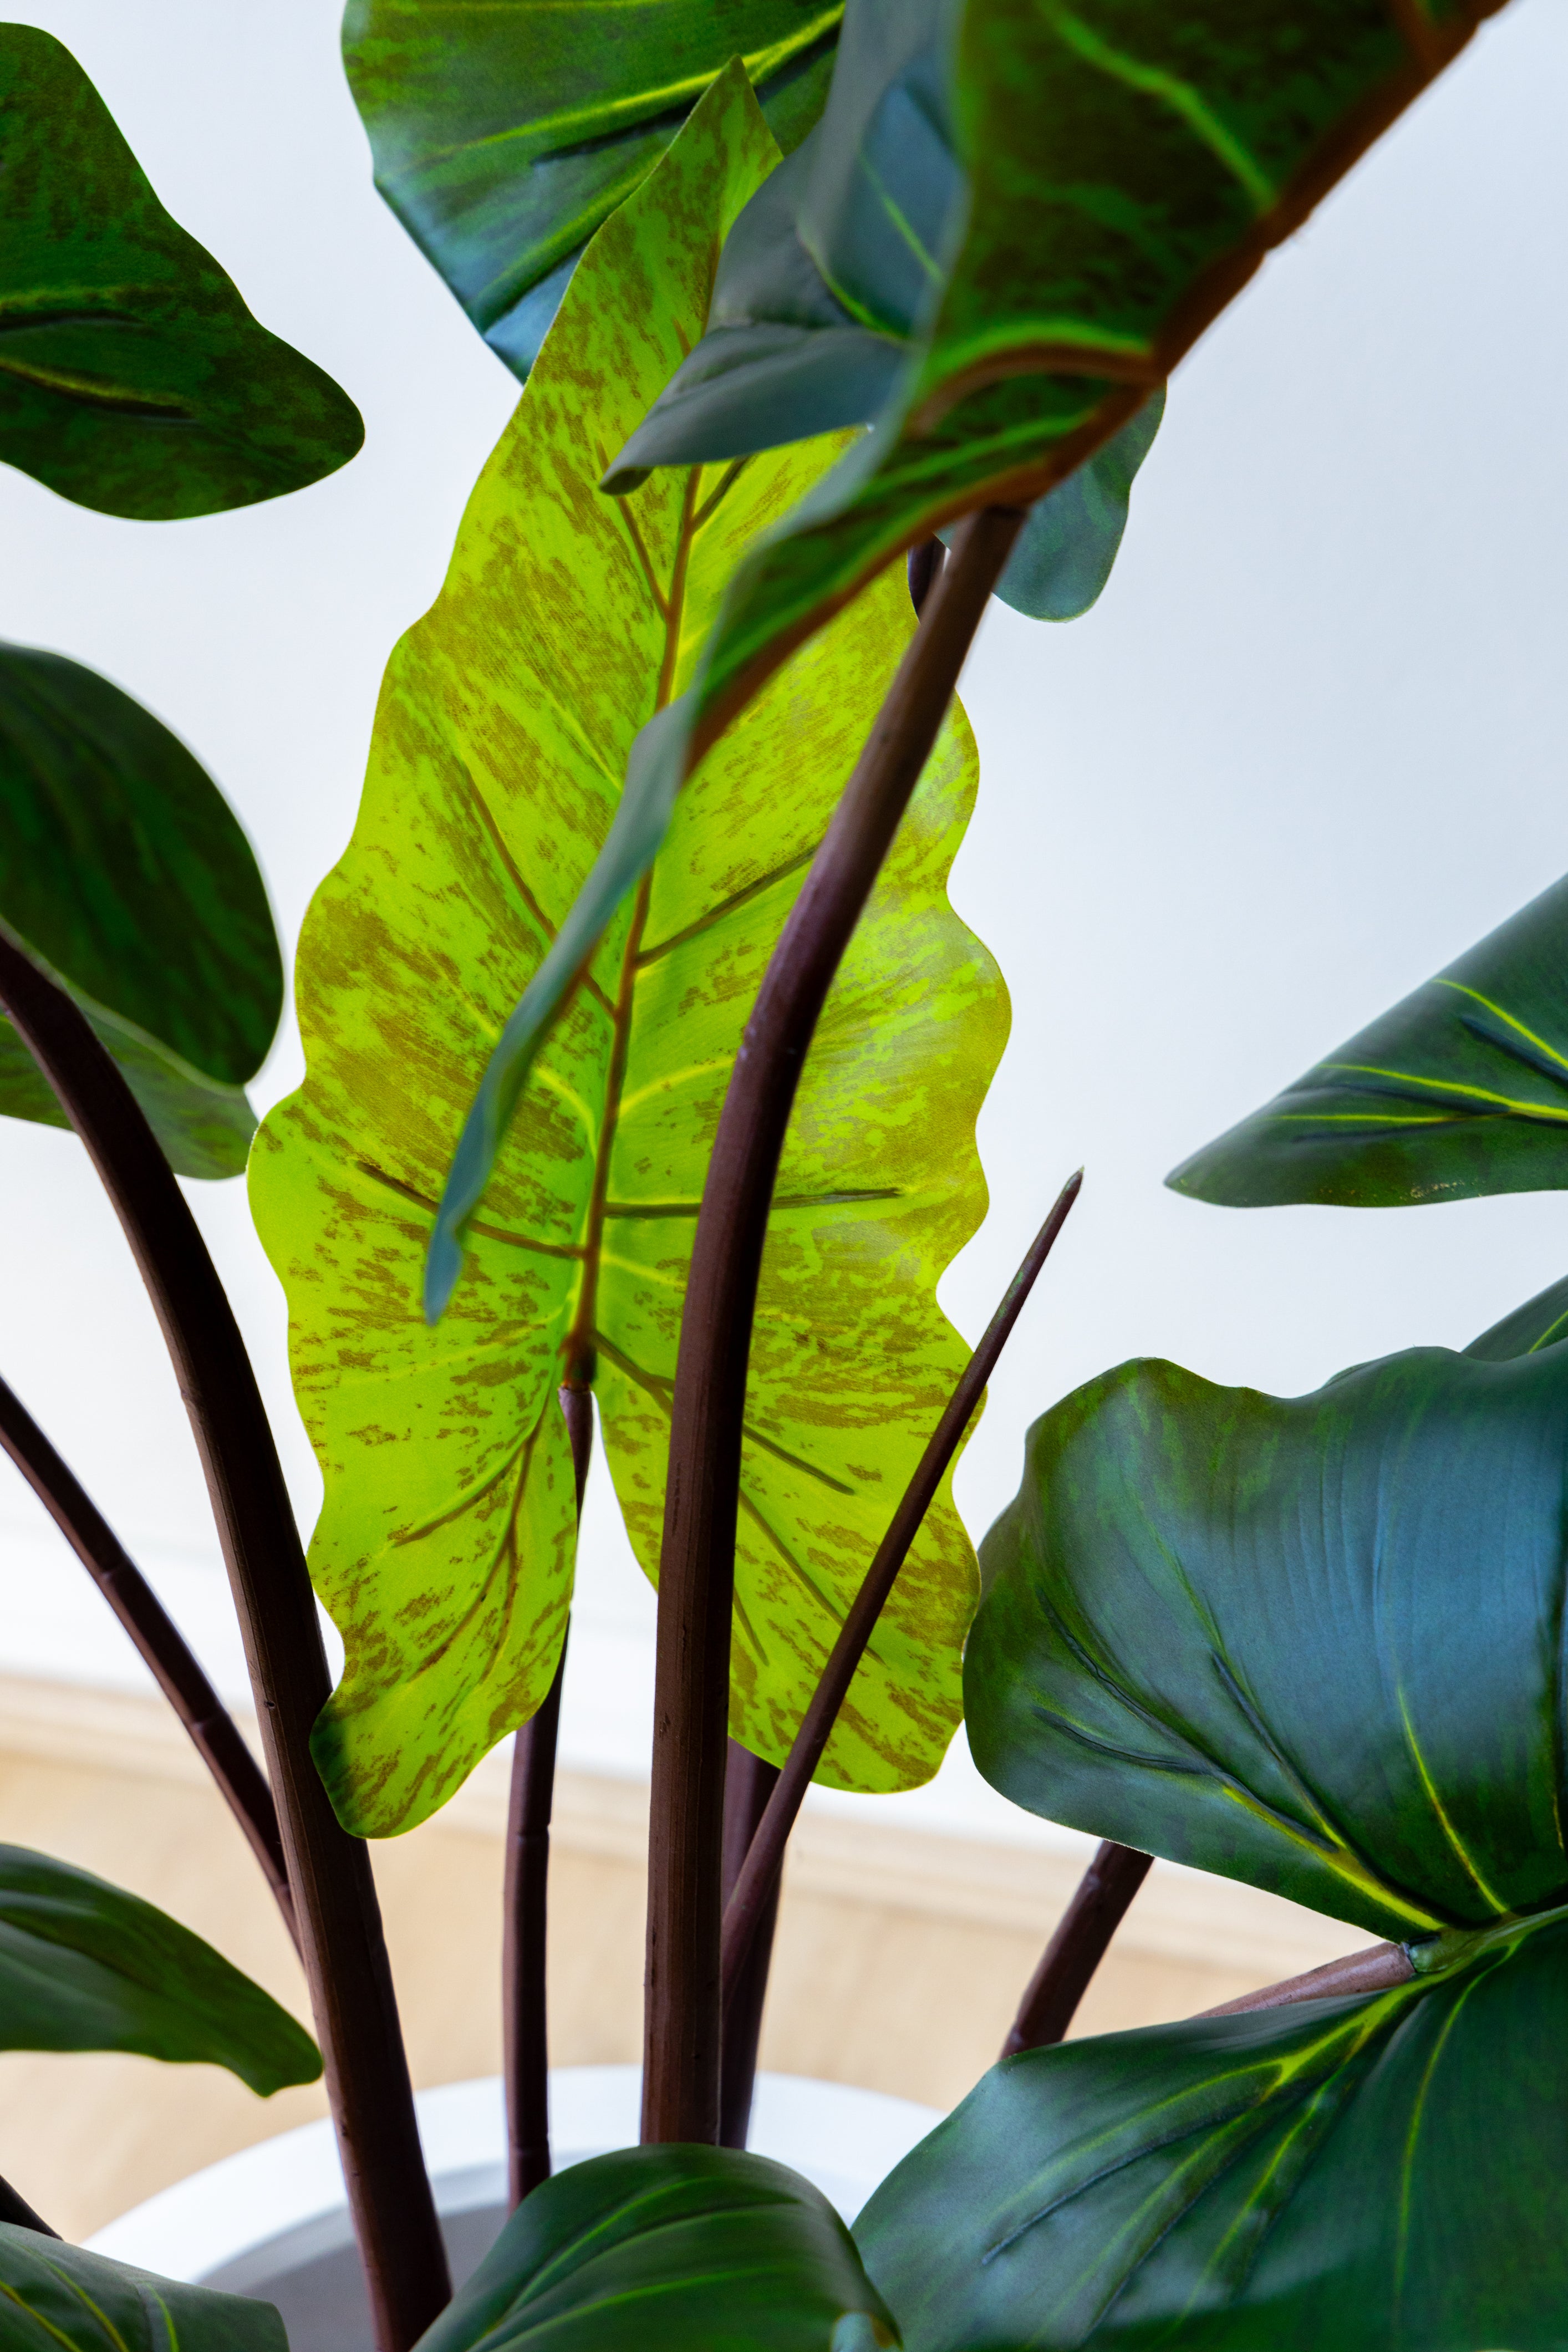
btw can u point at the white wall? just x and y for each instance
(1308, 747)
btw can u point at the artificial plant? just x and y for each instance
(644, 1053)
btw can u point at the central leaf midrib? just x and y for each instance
(670, 606)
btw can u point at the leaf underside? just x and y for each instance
(85, 1966)
(1129, 168)
(445, 1548)
(1385, 2175)
(132, 378)
(504, 137)
(1462, 1089)
(823, 285)
(666, 2247)
(54, 2296)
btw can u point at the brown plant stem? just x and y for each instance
(341, 1939)
(749, 1782)
(525, 2036)
(923, 563)
(213, 1731)
(14, 2208)
(682, 2011)
(756, 1887)
(1375, 1970)
(1081, 1940)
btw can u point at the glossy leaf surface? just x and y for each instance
(835, 263)
(1387, 2175)
(1461, 1089)
(827, 277)
(673, 2249)
(124, 873)
(84, 1965)
(445, 1548)
(1129, 168)
(54, 2296)
(1311, 1641)
(132, 378)
(504, 136)
(1539, 1323)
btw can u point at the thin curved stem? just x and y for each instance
(341, 1939)
(525, 2061)
(749, 1782)
(756, 1887)
(213, 1731)
(681, 2014)
(1374, 1969)
(1081, 1940)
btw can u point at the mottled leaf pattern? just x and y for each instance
(1129, 169)
(1385, 2175)
(445, 1548)
(1462, 1089)
(132, 378)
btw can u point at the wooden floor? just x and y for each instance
(900, 1956)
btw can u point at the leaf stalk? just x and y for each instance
(682, 2010)
(213, 1732)
(341, 1939)
(526, 2059)
(756, 1887)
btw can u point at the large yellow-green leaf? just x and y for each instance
(445, 1548)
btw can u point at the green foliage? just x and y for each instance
(54, 2296)
(1539, 1323)
(445, 1548)
(1461, 1089)
(125, 876)
(826, 281)
(84, 1965)
(132, 378)
(670, 2249)
(504, 136)
(1128, 171)
(1312, 1641)
(1385, 2175)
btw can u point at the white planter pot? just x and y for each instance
(272, 2223)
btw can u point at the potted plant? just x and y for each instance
(644, 1053)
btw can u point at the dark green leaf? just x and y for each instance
(52, 2294)
(1461, 1089)
(834, 265)
(1539, 1323)
(1064, 554)
(126, 874)
(1386, 2175)
(132, 378)
(84, 1965)
(1130, 166)
(503, 136)
(693, 2249)
(1312, 1641)
(826, 281)
(123, 865)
